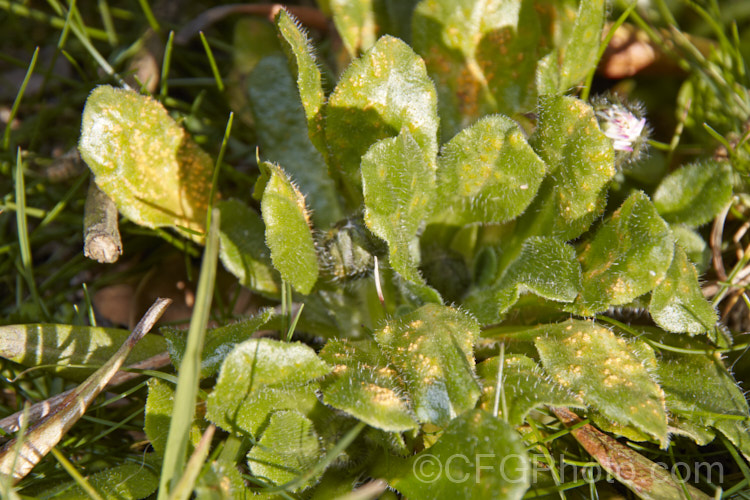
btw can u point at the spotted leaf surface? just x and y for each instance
(288, 229)
(546, 267)
(613, 376)
(144, 161)
(288, 447)
(677, 303)
(432, 351)
(478, 456)
(242, 249)
(482, 54)
(694, 194)
(525, 386)
(357, 24)
(383, 92)
(571, 61)
(628, 256)
(580, 162)
(487, 173)
(399, 187)
(260, 376)
(363, 385)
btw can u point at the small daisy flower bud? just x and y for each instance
(623, 123)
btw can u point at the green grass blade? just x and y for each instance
(189, 371)
(149, 15)
(217, 166)
(212, 62)
(17, 102)
(195, 464)
(165, 66)
(22, 228)
(109, 25)
(18, 9)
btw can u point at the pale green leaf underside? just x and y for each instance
(694, 194)
(242, 247)
(144, 161)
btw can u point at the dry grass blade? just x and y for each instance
(12, 423)
(645, 478)
(18, 457)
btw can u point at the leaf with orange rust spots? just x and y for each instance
(432, 351)
(606, 372)
(363, 385)
(383, 92)
(570, 62)
(628, 256)
(483, 55)
(677, 303)
(145, 162)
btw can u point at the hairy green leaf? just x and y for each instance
(570, 62)
(546, 267)
(487, 173)
(242, 248)
(694, 194)
(399, 188)
(609, 374)
(677, 303)
(158, 413)
(628, 256)
(288, 231)
(363, 385)
(525, 387)
(219, 341)
(357, 24)
(288, 447)
(432, 350)
(130, 481)
(283, 137)
(383, 92)
(304, 67)
(580, 160)
(478, 456)
(261, 376)
(482, 54)
(144, 161)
